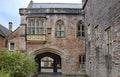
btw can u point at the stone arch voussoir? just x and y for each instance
(52, 49)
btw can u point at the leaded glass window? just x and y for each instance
(60, 29)
(80, 29)
(36, 26)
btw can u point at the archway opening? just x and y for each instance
(48, 62)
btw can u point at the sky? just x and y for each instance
(9, 9)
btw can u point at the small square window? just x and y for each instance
(12, 46)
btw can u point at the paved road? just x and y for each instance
(50, 75)
(54, 75)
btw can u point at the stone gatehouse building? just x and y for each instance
(54, 35)
(54, 31)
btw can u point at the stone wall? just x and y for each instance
(70, 44)
(104, 14)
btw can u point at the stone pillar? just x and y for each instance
(55, 66)
(39, 65)
(35, 26)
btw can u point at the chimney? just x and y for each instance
(10, 26)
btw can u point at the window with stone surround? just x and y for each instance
(36, 26)
(59, 29)
(96, 34)
(12, 46)
(82, 61)
(108, 40)
(89, 32)
(80, 28)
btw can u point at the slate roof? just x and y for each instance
(55, 5)
(4, 31)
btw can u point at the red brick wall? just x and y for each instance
(2, 42)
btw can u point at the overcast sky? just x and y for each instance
(9, 9)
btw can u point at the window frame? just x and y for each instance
(82, 61)
(97, 34)
(60, 24)
(108, 40)
(13, 48)
(39, 26)
(80, 29)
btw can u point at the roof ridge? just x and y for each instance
(57, 3)
(4, 27)
(3, 30)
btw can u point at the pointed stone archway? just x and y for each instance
(56, 60)
(58, 55)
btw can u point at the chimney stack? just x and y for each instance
(10, 26)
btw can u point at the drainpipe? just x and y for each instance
(83, 14)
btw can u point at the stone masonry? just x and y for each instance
(102, 22)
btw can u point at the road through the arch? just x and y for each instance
(56, 75)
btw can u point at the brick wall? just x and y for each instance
(18, 38)
(2, 42)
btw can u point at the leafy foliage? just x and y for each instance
(4, 74)
(16, 63)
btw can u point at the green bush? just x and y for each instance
(16, 63)
(4, 74)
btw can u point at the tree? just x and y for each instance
(16, 64)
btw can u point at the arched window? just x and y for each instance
(59, 29)
(80, 29)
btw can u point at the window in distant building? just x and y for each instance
(12, 46)
(59, 29)
(80, 29)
